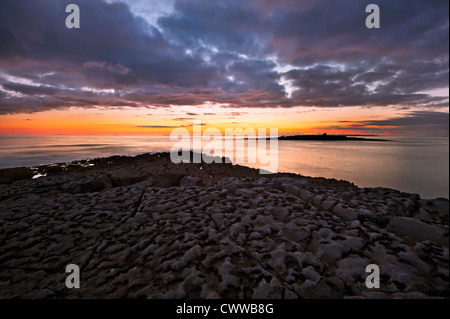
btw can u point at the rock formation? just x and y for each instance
(144, 227)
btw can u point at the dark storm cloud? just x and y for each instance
(230, 26)
(420, 122)
(30, 89)
(385, 84)
(224, 52)
(332, 30)
(418, 118)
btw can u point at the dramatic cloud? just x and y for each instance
(418, 122)
(170, 126)
(237, 53)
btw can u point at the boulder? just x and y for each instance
(9, 175)
(311, 274)
(167, 180)
(328, 204)
(189, 181)
(352, 269)
(272, 290)
(345, 213)
(281, 212)
(90, 185)
(331, 253)
(434, 209)
(231, 184)
(294, 233)
(119, 179)
(306, 195)
(414, 230)
(294, 190)
(11, 229)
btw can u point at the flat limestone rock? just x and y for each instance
(144, 227)
(416, 230)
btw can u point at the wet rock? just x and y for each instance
(9, 175)
(12, 229)
(294, 233)
(325, 233)
(328, 204)
(317, 200)
(40, 294)
(166, 180)
(331, 253)
(244, 192)
(411, 258)
(272, 290)
(310, 273)
(434, 209)
(89, 185)
(352, 269)
(119, 179)
(294, 190)
(354, 243)
(414, 230)
(277, 261)
(238, 236)
(424, 214)
(320, 291)
(306, 195)
(281, 212)
(189, 181)
(345, 213)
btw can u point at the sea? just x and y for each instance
(417, 165)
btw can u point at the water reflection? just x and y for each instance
(417, 165)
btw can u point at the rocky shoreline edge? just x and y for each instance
(144, 227)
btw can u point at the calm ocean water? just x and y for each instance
(415, 165)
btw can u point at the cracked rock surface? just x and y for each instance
(145, 227)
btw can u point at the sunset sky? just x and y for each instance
(138, 67)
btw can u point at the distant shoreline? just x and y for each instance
(325, 137)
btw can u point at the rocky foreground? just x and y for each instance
(144, 227)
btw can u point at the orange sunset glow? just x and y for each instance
(158, 71)
(136, 121)
(224, 153)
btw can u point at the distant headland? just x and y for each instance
(326, 137)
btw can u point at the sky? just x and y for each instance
(144, 67)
